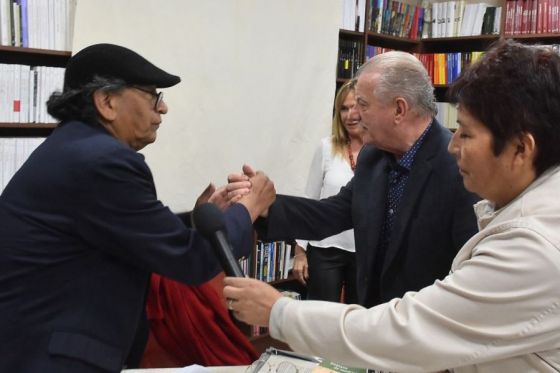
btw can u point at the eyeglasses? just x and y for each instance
(157, 95)
(260, 366)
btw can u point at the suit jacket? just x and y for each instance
(434, 220)
(82, 229)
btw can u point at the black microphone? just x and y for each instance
(209, 221)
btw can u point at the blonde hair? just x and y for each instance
(340, 136)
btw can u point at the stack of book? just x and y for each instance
(26, 89)
(44, 24)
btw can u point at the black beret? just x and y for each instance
(113, 61)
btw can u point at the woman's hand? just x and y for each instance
(300, 269)
(250, 300)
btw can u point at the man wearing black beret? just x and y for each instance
(82, 228)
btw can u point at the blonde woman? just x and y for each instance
(329, 265)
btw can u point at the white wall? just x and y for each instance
(258, 83)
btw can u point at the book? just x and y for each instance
(332, 367)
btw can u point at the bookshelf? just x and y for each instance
(10, 55)
(527, 21)
(258, 266)
(35, 38)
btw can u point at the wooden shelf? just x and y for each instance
(33, 56)
(283, 281)
(457, 44)
(393, 42)
(349, 34)
(439, 45)
(26, 129)
(535, 38)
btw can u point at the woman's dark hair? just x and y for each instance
(515, 89)
(77, 104)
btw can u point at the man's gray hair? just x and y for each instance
(402, 75)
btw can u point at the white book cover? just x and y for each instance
(34, 144)
(443, 19)
(43, 29)
(10, 73)
(497, 21)
(479, 17)
(30, 93)
(361, 14)
(350, 15)
(31, 24)
(468, 19)
(5, 23)
(36, 92)
(21, 156)
(57, 82)
(33, 94)
(459, 10)
(40, 22)
(47, 89)
(16, 98)
(70, 13)
(288, 263)
(347, 14)
(450, 19)
(8, 160)
(2, 141)
(40, 94)
(3, 93)
(24, 93)
(46, 93)
(435, 20)
(16, 14)
(58, 20)
(52, 25)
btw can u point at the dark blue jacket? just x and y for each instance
(81, 229)
(435, 219)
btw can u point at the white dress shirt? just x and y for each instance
(327, 175)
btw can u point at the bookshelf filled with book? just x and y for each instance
(28, 74)
(271, 262)
(35, 39)
(446, 35)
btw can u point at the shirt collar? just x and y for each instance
(405, 162)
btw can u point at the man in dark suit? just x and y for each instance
(82, 228)
(406, 202)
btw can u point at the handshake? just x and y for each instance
(252, 189)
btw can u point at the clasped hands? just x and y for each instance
(250, 300)
(252, 189)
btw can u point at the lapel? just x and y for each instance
(419, 176)
(372, 191)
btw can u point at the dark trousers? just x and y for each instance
(331, 269)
